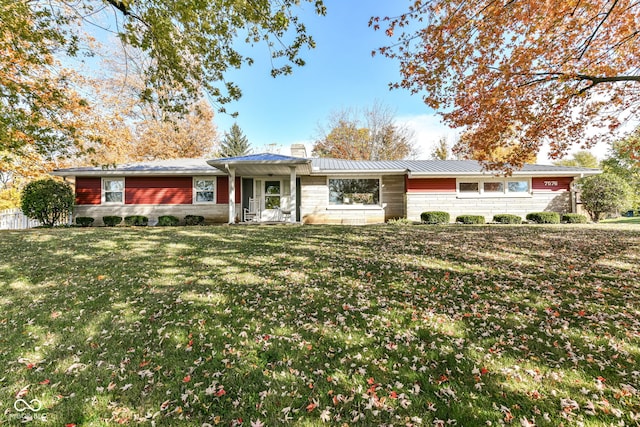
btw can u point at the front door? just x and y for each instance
(272, 198)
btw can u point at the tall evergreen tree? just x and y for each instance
(234, 143)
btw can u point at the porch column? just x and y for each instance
(292, 199)
(232, 195)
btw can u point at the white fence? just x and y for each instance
(14, 219)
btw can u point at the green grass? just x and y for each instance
(351, 325)
(622, 220)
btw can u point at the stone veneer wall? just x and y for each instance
(487, 206)
(315, 207)
(213, 214)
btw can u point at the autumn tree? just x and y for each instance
(40, 109)
(493, 155)
(523, 72)
(582, 158)
(234, 143)
(122, 129)
(372, 135)
(189, 45)
(441, 151)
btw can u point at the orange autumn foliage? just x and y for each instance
(562, 72)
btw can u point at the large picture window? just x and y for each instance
(354, 191)
(204, 189)
(113, 190)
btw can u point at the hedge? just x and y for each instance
(111, 220)
(435, 217)
(84, 221)
(136, 220)
(544, 217)
(573, 218)
(470, 219)
(168, 220)
(194, 220)
(507, 219)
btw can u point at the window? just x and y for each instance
(204, 190)
(494, 187)
(113, 190)
(354, 192)
(518, 186)
(272, 194)
(468, 187)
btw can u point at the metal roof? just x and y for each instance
(263, 164)
(157, 167)
(260, 158)
(435, 168)
(277, 164)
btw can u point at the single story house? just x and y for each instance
(274, 187)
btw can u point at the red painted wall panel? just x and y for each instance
(88, 191)
(551, 184)
(158, 190)
(222, 190)
(432, 185)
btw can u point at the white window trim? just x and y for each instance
(482, 194)
(195, 190)
(378, 206)
(102, 189)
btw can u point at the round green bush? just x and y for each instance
(48, 201)
(434, 217)
(84, 221)
(168, 221)
(544, 217)
(470, 219)
(194, 220)
(573, 218)
(111, 220)
(507, 219)
(136, 220)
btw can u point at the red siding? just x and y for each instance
(158, 191)
(222, 190)
(551, 184)
(432, 185)
(88, 191)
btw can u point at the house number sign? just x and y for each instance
(551, 183)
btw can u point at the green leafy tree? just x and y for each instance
(604, 193)
(47, 200)
(623, 161)
(234, 143)
(582, 158)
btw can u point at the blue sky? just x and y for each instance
(340, 73)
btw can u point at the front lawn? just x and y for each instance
(312, 325)
(623, 220)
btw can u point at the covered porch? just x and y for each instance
(266, 185)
